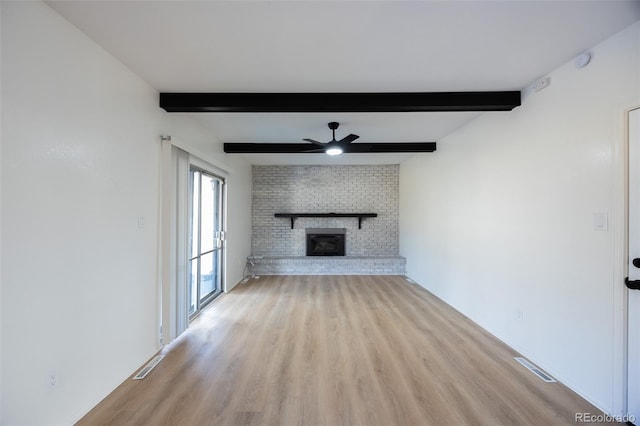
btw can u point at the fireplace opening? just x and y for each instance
(325, 241)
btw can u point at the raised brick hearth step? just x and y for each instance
(326, 265)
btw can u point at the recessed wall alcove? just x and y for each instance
(277, 248)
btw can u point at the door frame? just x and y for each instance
(223, 174)
(203, 168)
(620, 228)
(623, 299)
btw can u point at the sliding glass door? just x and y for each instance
(206, 239)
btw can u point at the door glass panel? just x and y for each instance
(207, 281)
(207, 215)
(216, 186)
(217, 273)
(192, 285)
(195, 216)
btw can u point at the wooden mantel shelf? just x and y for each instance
(294, 216)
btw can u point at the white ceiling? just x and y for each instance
(344, 46)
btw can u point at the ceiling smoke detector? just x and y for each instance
(582, 60)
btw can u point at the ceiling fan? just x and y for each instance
(333, 147)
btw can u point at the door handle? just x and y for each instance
(636, 262)
(633, 284)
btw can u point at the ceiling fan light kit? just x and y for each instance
(333, 147)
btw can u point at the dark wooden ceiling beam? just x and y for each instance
(305, 148)
(340, 102)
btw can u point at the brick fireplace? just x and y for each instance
(279, 245)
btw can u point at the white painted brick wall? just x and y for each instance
(325, 189)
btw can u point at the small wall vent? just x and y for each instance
(147, 368)
(535, 370)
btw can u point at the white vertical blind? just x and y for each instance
(173, 244)
(180, 244)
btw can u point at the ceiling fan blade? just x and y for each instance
(349, 139)
(313, 150)
(314, 142)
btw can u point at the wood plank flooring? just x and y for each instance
(337, 350)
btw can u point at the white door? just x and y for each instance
(633, 396)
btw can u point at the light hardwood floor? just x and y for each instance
(337, 350)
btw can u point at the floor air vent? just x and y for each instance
(535, 370)
(147, 368)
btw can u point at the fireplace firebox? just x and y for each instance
(326, 241)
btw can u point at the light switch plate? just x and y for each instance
(601, 221)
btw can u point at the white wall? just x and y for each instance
(80, 165)
(499, 221)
